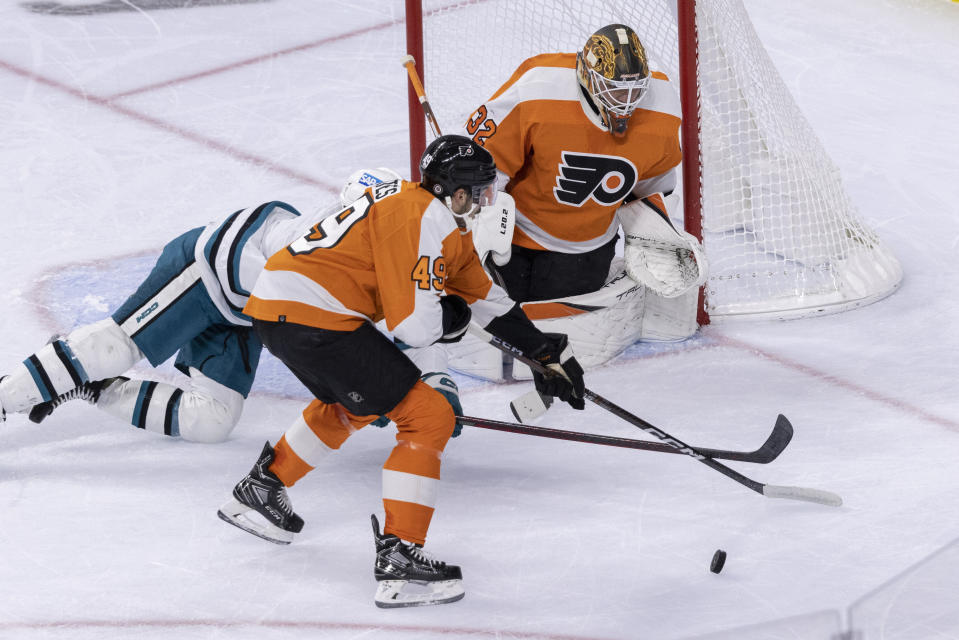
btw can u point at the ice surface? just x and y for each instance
(121, 129)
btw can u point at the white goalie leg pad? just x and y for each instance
(665, 259)
(670, 319)
(600, 325)
(433, 357)
(613, 318)
(473, 357)
(391, 594)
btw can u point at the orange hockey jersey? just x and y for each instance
(388, 256)
(567, 173)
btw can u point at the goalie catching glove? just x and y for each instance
(659, 256)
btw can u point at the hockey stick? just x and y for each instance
(770, 491)
(530, 405)
(775, 444)
(410, 65)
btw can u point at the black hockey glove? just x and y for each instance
(565, 379)
(456, 317)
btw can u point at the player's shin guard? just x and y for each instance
(411, 474)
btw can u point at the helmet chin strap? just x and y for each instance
(463, 220)
(617, 125)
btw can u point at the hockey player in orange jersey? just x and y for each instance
(402, 254)
(574, 136)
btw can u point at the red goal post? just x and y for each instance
(782, 237)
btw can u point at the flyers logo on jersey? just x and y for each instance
(605, 179)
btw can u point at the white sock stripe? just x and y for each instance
(156, 412)
(409, 487)
(60, 377)
(305, 444)
(70, 362)
(122, 399)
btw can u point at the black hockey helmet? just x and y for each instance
(614, 72)
(454, 162)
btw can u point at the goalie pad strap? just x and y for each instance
(655, 202)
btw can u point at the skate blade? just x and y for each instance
(392, 594)
(234, 512)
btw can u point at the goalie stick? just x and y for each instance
(818, 496)
(410, 64)
(781, 434)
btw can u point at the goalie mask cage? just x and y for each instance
(782, 237)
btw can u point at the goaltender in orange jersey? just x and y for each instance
(573, 136)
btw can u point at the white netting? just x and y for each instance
(781, 235)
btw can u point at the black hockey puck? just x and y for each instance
(719, 559)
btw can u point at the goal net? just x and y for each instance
(782, 237)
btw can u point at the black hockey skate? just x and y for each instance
(89, 391)
(263, 493)
(408, 577)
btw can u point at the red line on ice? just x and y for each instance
(875, 396)
(266, 57)
(254, 60)
(457, 632)
(168, 127)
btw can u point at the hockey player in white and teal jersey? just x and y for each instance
(189, 305)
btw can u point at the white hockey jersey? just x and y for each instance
(231, 253)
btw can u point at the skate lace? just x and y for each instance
(424, 556)
(84, 392)
(284, 502)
